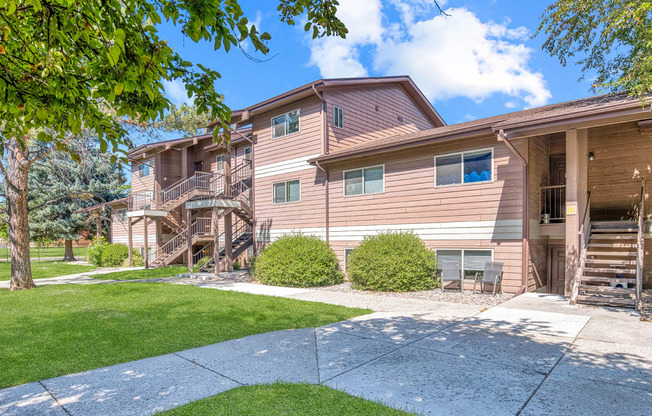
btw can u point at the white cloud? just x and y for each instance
(176, 92)
(447, 56)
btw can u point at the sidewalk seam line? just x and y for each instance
(314, 332)
(55, 399)
(206, 368)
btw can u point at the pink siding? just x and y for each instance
(372, 113)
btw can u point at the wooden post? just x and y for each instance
(98, 225)
(216, 239)
(228, 242)
(189, 237)
(130, 243)
(227, 172)
(145, 256)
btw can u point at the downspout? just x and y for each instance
(324, 150)
(525, 253)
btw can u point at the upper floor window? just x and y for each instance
(465, 167)
(338, 115)
(285, 124)
(143, 170)
(288, 191)
(369, 180)
(219, 163)
(247, 153)
(121, 214)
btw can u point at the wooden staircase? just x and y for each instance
(609, 273)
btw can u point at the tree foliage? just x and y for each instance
(609, 39)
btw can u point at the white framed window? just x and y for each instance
(143, 170)
(369, 180)
(474, 166)
(247, 153)
(285, 124)
(347, 251)
(471, 261)
(287, 191)
(121, 214)
(338, 117)
(219, 163)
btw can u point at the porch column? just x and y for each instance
(228, 242)
(189, 238)
(98, 225)
(576, 190)
(216, 239)
(145, 256)
(130, 243)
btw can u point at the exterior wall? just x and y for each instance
(538, 172)
(372, 113)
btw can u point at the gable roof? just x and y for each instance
(309, 89)
(598, 106)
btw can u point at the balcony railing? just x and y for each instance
(553, 204)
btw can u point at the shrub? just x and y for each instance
(114, 255)
(298, 260)
(95, 251)
(201, 263)
(392, 261)
(136, 259)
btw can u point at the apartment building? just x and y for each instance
(556, 193)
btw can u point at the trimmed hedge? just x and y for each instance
(392, 262)
(114, 255)
(298, 260)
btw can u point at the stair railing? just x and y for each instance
(211, 183)
(141, 201)
(583, 241)
(640, 252)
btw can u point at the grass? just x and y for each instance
(44, 269)
(143, 274)
(284, 399)
(55, 330)
(47, 252)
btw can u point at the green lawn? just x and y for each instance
(49, 268)
(143, 274)
(47, 252)
(283, 399)
(55, 330)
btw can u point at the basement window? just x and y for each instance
(288, 191)
(471, 261)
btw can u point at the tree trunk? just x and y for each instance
(68, 254)
(17, 216)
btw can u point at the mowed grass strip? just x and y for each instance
(55, 330)
(143, 274)
(284, 399)
(47, 268)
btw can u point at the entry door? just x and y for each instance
(198, 166)
(557, 269)
(557, 170)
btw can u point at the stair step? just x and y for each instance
(614, 230)
(602, 279)
(612, 262)
(613, 222)
(599, 300)
(608, 270)
(613, 236)
(612, 253)
(612, 245)
(608, 290)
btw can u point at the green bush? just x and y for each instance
(392, 262)
(113, 255)
(95, 251)
(201, 263)
(298, 260)
(136, 259)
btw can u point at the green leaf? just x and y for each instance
(119, 87)
(103, 146)
(114, 54)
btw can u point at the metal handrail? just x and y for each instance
(211, 183)
(141, 200)
(552, 203)
(640, 253)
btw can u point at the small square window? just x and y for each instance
(338, 115)
(288, 191)
(143, 170)
(285, 124)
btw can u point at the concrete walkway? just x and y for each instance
(78, 278)
(533, 355)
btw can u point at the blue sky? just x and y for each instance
(478, 62)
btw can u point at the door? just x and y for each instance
(557, 170)
(198, 166)
(557, 269)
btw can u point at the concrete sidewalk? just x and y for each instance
(533, 355)
(78, 278)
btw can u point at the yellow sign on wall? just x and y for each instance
(571, 208)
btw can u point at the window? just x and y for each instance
(471, 261)
(285, 124)
(465, 167)
(369, 180)
(288, 191)
(247, 153)
(121, 214)
(347, 252)
(338, 120)
(143, 170)
(219, 163)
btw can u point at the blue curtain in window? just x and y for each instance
(477, 167)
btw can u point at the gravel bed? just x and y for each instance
(454, 296)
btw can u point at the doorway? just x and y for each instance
(557, 277)
(198, 166)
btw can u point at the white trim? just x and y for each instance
(271, 126)
(285, 166)
(270, 235)
(462, 153)
(363, 190)
(286, 189)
